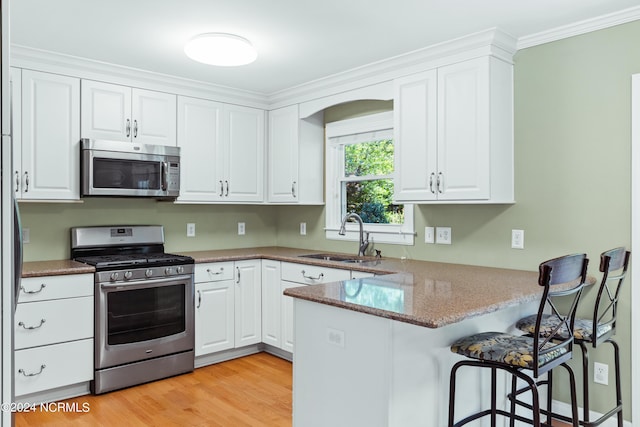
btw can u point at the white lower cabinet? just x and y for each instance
(228, 305)
(277, 314)
(53, 331)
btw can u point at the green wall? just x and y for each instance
(572, 185)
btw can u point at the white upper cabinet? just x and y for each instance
(454, 137)
(283, 154)
(48, 137)
(243, 154)
(120, 113)
(221, 150)
(199, 139)
(296, 157)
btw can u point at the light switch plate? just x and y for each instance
(191, 229)
(303, 228)
(429, 235)
(517, 239)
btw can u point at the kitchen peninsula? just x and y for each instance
(375, 351)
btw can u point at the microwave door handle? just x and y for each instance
(165, 173)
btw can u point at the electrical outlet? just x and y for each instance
(26, 236)
(517, 239)
(241, 229)
(429, 235)
(335, 337)
(191, 230)
(443, 235)
(601, 373)
(303, 228)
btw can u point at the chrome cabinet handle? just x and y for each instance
(42, 286)
(215, 272)
(17, 181)
(238, 271)
(440, 182)
(21, 371)
(26, 182)
(128, 128)
(135, 128)
(221, 188)
(293, 189)
(226, 194)
(320, 276)
(32, 327)
(199, 299)
(431, 183)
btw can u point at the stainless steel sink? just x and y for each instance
(338, 258)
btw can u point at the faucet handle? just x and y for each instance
(378, 253)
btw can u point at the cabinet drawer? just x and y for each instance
(52, 366)
(54, 287)
(213, 272)
(47, 322)
(312, 274)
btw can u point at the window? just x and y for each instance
(360, 179)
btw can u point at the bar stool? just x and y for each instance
(560, 277)
(613, 266)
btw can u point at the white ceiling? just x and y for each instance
(298, 41)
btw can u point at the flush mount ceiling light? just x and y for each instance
(221, 49)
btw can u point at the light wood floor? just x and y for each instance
(250, 391)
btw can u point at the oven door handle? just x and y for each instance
(167, 281)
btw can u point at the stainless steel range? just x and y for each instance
(144, 298)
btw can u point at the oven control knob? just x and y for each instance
(127, 275)
(148, 273)
(168, 271)
(180, 269)
(114, 276)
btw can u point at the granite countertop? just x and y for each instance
(55, 268)
(423, 293)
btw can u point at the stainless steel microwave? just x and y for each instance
(128, 169)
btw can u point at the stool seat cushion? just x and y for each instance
(511, 350)
(582, 328)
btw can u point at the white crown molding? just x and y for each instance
(53, 62)
(493, 41)
(581, 27)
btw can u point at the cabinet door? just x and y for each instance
(199, 139)
(271, 302)
(153, 117)
(50, 136)
(248, 303)
(287, 318)
(463, 130)
(16, 129)
(415, 103)
(106, 111)
(214, 318)
(244, 154)
(283, 154)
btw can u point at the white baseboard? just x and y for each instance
(565, 409)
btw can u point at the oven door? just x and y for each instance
(144, 320)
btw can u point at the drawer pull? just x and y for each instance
(320, 276)
(216, 272)
(21, 371)
(32, 327)
(42, 286)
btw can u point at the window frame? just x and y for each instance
(349, 131)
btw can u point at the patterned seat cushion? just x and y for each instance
(582, 328)
(504, 348)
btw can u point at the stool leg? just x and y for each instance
(493, 397)
(549, 395)
(616, 355)
(575, 421)
(452, 394)
(585, 381)
(514, 388)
